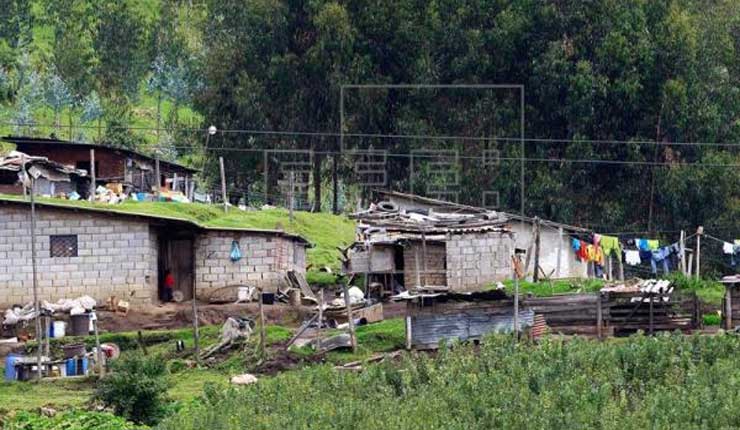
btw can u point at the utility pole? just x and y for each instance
(158, 178)
(699, 232)
(223, 184)
(92, 175)
(290, 195)
(536, 276)
(34, 269)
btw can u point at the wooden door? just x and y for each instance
(181, 264)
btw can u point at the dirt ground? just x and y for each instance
(180, 315)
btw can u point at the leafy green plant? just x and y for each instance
(69, 420)
(136, 388)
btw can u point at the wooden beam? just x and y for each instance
(92, 175)
(536, 275)
(350, 320)
(223, 184)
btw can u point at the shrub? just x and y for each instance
(135, 389)
(70, 420)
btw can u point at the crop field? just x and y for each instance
(640, 382)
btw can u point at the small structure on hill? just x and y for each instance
(51, 178)
(134, 170)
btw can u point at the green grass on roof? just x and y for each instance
(325, 231)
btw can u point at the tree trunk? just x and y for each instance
(335, 184)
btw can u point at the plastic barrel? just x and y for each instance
(10, 373)
(80, 325)
(59, 329)
(71, 366)
(82, 366)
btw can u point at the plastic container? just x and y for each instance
(82, 365)
(80, 324)
(59, 329)
(71, 367)
(10, 373)
(268, 298)
(242, 294)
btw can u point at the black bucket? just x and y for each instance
(268, 298)
(80, 325)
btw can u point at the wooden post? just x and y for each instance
(651, 297)
(609, 262)
(158, 178)
(424, 256)
(99, 352)
(408, 330)
(350, 319)
(560, 252)
(728, 307)
(291, 200)
(699, 232)
(196, 331)
(528, 257)
(174, 182)
(223, 184)
(536, 276)
(320, 323)
(92, 176)
(34, 269)
(416, 266)
(682, 246)
(516, 295)
(599, 317)
(262, 324)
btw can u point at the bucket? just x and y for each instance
(70, 367)
(242, 294)
(73, 350)
(58, 329)
(10, 373)
(80, 325)
(268, 298)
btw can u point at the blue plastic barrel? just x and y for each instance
(82, 366)
(10, 373)
(71, 366)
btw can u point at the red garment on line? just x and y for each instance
(169, 281)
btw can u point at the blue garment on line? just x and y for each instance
(576, 244)
(660, 255)
(642, 244)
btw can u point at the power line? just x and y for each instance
(388, 136)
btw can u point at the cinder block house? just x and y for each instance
(102, 253)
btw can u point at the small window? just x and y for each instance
(63, 245)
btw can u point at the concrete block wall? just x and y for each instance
(114, 257)
(475, 260)
(266, 259)
(436, 264)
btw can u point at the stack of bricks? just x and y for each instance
(476, 260)
(265, 261)
(114, 257)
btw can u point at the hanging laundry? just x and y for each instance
(597, 239)
(660, 256)
(728, 248)
(576, 244)
(647, 244)
(610, 244)
(646, 256)
(632, 257)
(653, 244)
(582, 251)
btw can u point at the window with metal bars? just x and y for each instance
(63, 245)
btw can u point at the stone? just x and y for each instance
(245, 379)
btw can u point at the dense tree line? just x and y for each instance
(629, 71)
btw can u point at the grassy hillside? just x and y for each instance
(325, 231)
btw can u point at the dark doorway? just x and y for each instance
(176, 256)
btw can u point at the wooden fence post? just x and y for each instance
(536, 276)
(92, 175)
(599, 317)
(699, 232)
(728, 308)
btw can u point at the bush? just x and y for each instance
(135, 389)
(70, 420)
